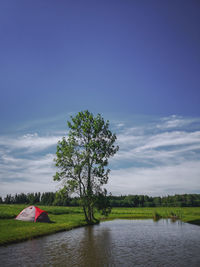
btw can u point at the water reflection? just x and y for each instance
(112, 243)
(95, 247)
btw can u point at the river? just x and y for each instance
(112, 243)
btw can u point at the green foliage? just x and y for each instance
(62, 197)
(156, 216)
(47, 198)
(9, 199)
(102, 203)
(33, 198)
(184, 200)
(82, 159)
(30, 198)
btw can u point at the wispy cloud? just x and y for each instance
(148, 143)
(29, 142)
(27, 161)
(176, 122)
(156, 157)
(160, 180)
(25, 175)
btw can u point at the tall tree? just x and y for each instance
(82, 159)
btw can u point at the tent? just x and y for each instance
(33, 214)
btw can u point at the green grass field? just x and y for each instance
(66, 218)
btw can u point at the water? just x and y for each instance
(113, 243)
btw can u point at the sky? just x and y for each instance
(135, 62)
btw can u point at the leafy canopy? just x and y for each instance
(82, 159)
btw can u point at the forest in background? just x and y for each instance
(61, 199)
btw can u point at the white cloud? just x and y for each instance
(119, 125)
(31, 174)
(156, 157)
(29, 142)
(146, 144)
(18, 187)
(160, 180)
(170, 139)
(27, 168)
(176, 122)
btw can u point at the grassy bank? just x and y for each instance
(66, 218)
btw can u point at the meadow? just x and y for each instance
(66, 218)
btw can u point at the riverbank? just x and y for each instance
(67, 218)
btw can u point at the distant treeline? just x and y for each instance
(47, 198)
(60, 199)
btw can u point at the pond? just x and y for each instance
(111, 243)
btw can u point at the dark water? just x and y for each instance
(112, 243)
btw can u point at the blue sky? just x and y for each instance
(135, 62)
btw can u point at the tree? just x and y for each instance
(9, 199)
(61, 197)
(47, 198)
(82, 159)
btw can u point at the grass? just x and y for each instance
(11, 231)
(66, 218)
(11, 211)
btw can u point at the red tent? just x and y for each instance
(33, 214)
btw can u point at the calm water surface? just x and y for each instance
(112, 243)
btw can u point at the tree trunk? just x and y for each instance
(85, 213)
